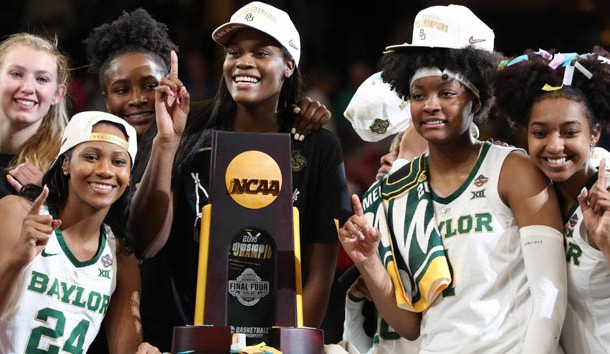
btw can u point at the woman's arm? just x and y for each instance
(122, 322)
(534, 204)
(360, 242)
(152, 206)
(24, 233)
(532, 200)
(318, 266)
(151, 213)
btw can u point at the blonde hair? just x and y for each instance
(42, 147)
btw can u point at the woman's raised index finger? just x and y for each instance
(601, 173)
(356, 205)
(173, 70)
(39, 201)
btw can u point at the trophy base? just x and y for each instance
(202, 339)
(303, 340)
(217, 339)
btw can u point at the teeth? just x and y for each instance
(246, 79)
(138, 115)
(557, 161)
(438, 121)
(101, 186)
(26, 103)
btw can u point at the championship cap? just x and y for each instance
(452, 26)
(597, 154)
(376, 111)
(80, 130)
(267, 19)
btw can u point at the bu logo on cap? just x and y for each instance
(422, 34)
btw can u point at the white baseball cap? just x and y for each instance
(452, 26)
(267, 19)
(80, 130)
(597, 154)
(376, 111)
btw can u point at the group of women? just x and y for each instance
(91, 175)
(476, 247)
(497, 224)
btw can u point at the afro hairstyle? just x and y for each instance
(479, 66)
(137, 32)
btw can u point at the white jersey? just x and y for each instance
(60, 302)
(385, 339)
(486, 308)
(586, 327)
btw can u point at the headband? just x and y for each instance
(109, 138)
(434, 71)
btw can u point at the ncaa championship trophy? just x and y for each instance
(249, 275)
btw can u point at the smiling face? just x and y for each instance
(28, 86)
(560, 138)
(129, 88)
(98, 171)
(255, 68)
(441, 109)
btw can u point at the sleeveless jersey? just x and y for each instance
(487, 305)
(586, 328)
(60, 302)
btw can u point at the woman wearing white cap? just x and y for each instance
(471, 261)
(65, 260)
(260, 85)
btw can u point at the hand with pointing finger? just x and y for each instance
(172, 105)
(35, 230)
(595, 206)
(358, 238)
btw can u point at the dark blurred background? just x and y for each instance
(342, 41)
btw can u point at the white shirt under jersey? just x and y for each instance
(586, 328)
(60, 302)
(487, 307)
(385, 340)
